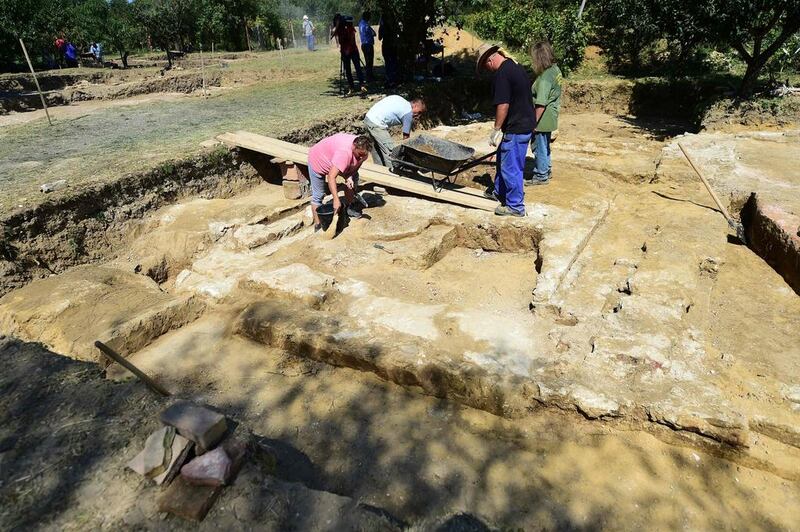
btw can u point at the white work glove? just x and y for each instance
(350, 183)
(495, 137)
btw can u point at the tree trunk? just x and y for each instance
(247, 34)
(750, 78)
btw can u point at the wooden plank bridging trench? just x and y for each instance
(371, 172)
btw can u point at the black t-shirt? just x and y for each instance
(512, 85)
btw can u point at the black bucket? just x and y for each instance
(325, 213)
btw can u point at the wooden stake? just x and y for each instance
(580, 9)
(38, 88)
(203, 71)
(115, 357)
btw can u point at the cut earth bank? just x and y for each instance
(617, 304)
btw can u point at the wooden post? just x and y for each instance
(203, 71)
(247, 34)
(580, 9)
(36, 81)
(291, 27)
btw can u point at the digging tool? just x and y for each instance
(115, 357)
(36, 81)
(382, 248)
(736, 226)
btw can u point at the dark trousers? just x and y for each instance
(356, 60)
(369, 59)
(392, 65)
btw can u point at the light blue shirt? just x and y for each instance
(392, 111)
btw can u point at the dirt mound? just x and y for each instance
(761, 114)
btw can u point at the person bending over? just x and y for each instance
(342, 155)
(391, 111)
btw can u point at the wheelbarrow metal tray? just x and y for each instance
(435, 154)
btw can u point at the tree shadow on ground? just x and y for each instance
(351, 449)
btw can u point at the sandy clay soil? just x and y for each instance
(612, 360)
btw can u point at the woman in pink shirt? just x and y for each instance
(340, 154)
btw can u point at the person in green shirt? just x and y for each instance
(547, 102)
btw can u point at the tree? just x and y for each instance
(415, 20)
(625, 28)
(519, 24)
(756, 29)
(167, 22)
(123, 31)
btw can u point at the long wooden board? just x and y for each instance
(369, 171)
(302, 150)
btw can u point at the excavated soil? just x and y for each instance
(612, 360)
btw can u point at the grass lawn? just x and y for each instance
(279, 96)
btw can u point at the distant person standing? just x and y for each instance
(547, 101)
(387, 34)
(61, 45)
(308, 31)
(97, 51)
(514, 121)
(367, 43)
(71, 55)
(391, 111)
(346, 34)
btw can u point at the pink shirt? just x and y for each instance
(336, 150)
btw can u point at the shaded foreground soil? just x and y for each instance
(344, 436)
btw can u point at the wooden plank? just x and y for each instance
(368, 166)
(369, 171)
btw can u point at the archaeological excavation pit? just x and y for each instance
(617, 303)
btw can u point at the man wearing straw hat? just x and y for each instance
(308, 31)
(514, 123)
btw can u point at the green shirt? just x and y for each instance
(547, 93)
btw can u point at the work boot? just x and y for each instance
(535, 182)
(489, 194)
(503, 210)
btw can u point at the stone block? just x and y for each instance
(292, 189)
(188, 501)
(192, 502)
(295, 280)
(201, 425)
(181, 447)
(211, 469)
(156, 456)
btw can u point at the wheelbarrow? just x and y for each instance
(426, 154)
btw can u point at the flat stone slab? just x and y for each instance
(295, 280)
(156, 456)
(252, 236)
(210, 469)
(201, 425)
(68, 312)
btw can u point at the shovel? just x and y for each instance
(736, 226)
